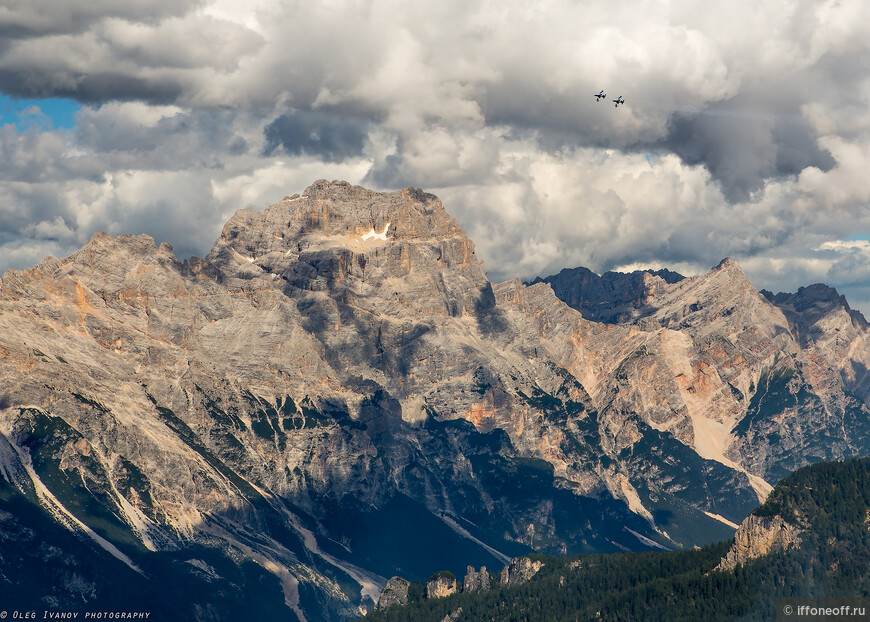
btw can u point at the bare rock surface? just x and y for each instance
(520, 570)
(395, 592)
(757, 536)
(613, 297)
(476, 581)
(440, 586)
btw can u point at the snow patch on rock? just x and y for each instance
(372, 235)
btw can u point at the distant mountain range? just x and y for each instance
(336, 394)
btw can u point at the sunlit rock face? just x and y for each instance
(519, 571)
(440, 587)
(336, 394)
(751, 380)
(757, 536)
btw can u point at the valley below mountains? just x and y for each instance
(336, 394)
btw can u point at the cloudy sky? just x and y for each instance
(745, 133)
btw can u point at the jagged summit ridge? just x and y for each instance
(318, 241)
(613, 297)
(337, 214)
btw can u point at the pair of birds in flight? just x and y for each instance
(601, 95)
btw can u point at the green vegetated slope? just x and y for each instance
(830, 502)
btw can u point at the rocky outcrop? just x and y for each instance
(476, 581)
(757, 536)
(519, 570)
(452, 616)
(395, 592)
(441, 584)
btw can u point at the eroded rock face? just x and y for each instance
(519, 570)
(395, 592)
(835, 335)
(440, 586)
(712, 362)
(476, 581)
(757, 536)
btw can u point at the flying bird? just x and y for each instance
(600, 96)
(618, 101)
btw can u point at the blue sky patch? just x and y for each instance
(42, 114)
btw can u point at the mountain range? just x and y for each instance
(337, 394)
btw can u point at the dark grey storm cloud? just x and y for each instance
(115, 50)
(88, 88)
(331, 137)
(29, 18)
(743, 149)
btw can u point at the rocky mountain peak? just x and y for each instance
(338, 215)
(359, 246)
(662, 298)
(105, 248)
(728, 271)
(812, 303)
(106, 264)
(727, 264)
(724, 293)
(822, 321)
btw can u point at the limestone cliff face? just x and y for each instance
(440, 586)
(757, 536)
(395, 592)
(835, 336)
(476, 581)
(337, 385)
(519, 570)
(712, 362)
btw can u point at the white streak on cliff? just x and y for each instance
(448, 520)
(646, 540)
(63, 515)
(721, 519)
(370, 582)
